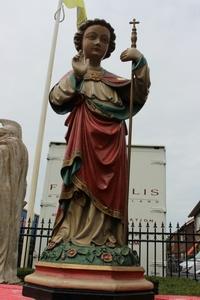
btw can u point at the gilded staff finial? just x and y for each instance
(134, 33)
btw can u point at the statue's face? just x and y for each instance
(95, 42)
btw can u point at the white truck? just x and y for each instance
(147, 206)
(147, 194)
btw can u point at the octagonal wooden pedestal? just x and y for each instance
(53, 281)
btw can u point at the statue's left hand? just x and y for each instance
(130, 54)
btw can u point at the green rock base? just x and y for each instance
(69, 253)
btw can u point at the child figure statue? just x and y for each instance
(94, 172)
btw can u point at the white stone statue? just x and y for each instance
(13, 171)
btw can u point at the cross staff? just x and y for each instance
(133, 45)
(134, 33)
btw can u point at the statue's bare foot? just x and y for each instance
(51, 245)
(112, 239)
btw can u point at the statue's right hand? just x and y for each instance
(80, 64)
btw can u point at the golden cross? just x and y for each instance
(134, 33)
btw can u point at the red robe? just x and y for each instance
(96, 160)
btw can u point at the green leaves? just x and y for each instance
(70, 253)
(125, 251)
(83, 251)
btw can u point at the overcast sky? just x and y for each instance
(168, 36)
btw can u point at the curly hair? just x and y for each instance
(78, 37)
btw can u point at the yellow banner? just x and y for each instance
(81, 12)
(73, 3)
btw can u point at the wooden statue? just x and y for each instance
(95, 172)
(13, 170)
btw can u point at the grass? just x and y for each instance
(176, 286)
(22, 272)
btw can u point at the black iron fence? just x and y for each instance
(163, 251)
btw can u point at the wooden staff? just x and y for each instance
(133, 45)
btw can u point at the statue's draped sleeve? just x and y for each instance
(66, 94)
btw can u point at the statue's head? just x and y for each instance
(78, 38)
(10, 128)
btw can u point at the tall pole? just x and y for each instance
(133, 45)
(38, 148)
